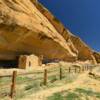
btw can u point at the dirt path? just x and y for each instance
(45, 93)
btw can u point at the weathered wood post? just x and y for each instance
(69, 69)
(75, 70)
(91, 68)
(79, 70)
(13, 85)
(60, 73)
(87, 68)
(83, 68)
(45, 77)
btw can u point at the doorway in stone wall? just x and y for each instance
(29, 63)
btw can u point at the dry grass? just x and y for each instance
(71, 86)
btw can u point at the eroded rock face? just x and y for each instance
(97, 56)
(26, 27)
(77, 45)
(23, 29)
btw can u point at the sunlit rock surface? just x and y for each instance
(26, 27)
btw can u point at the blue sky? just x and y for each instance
(81, 17)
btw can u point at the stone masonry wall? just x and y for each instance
(28, 61)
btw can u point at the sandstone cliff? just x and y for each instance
(26, 27)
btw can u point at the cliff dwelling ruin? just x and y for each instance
(29, 61)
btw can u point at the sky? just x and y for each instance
(81, 17)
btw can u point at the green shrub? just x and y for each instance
(56, 96)
(72, 96)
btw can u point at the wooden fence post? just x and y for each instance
(87, 67)
(13, 90)
(91, 68)
(69, 69)
(83, 68)
(60, 73)
(75, 70)
(79, 70)
(45, 77)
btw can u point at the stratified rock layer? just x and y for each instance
(26, 27)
